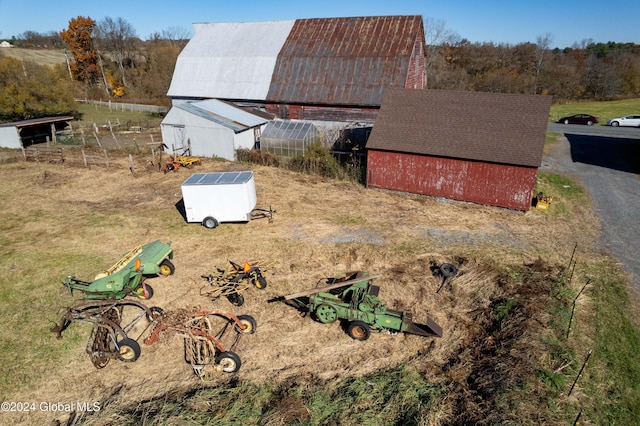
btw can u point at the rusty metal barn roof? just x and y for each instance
(502, 128)
(348, 61)
(345, 61)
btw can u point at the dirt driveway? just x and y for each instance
(608, 167)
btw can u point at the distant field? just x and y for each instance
(40, 56)
(601, 109)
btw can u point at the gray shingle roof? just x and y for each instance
(492, 127)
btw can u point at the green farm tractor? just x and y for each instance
(353, 299)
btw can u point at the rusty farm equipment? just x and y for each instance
(114, 322)
(542, 201)
(210, 337)
(232, 281)
(180, 161)
(353, 299)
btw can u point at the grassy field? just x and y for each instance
(603, 110)
(41, 56)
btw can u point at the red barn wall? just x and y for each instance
(483, 183)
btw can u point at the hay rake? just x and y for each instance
(112, 321)
(232, 281)
(210, 337)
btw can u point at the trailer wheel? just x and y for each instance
(144, 291)
(229, 362)
(358, 330)
(249, 324)
(326, 314)
(167, 268)
(209, 222)
(128, 350)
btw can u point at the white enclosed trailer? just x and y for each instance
(213, 198)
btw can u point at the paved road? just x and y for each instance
(607, 160)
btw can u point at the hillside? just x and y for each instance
(40, 56)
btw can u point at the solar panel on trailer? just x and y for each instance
(218, 178)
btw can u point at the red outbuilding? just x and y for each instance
(484, 148)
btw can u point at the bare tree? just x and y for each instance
(116, 36)
(178, 36)
(436, 35)
(543, 43)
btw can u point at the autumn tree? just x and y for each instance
(79, 40)
(29, 90)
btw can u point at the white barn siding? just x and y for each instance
(240, 68)
(9, 137)
(209, 129)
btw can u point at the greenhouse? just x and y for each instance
(288, 138)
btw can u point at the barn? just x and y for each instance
(325, 69)
(211, 128)
(484, 148)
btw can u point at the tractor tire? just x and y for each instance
(448, 270)
(167, 268)
(249, 324)
(128, 350)
(229, 362)
(359, 330)
(326, 314)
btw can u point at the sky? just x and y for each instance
(482, 21)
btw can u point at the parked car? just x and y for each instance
(579, 119)
(632, 120)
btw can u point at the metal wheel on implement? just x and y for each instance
(113, 323)
(210, 337)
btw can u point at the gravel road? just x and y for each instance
(609, 168)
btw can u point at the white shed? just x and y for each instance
(10, 137)
(210, 128)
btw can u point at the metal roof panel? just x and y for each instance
(229, 60)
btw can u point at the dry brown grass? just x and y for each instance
(321, 228)
(40, 56)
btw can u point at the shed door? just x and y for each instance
(179, 136)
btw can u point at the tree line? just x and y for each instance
(107, 60)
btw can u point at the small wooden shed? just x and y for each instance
(478, 147)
